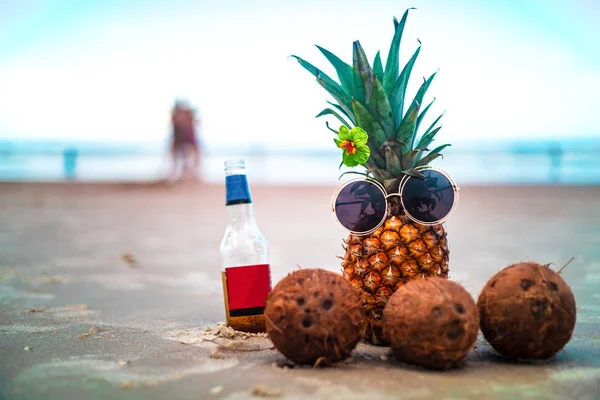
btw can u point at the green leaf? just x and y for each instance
(423, 89)
(344, 71)
(361, 64)
(413, 172)
(380, 108)
(359, 86)
(427, 159)
(428, 138)
(419, 120)
(339, 95)
(393, 163)
(366, 121)
(329, 111)
(439, 149)
(392, 64)
(340, 109)
(407, 131)
(330, 128)
(376, 101)
(410, 158)
(435, 153)
(407, 126)
(378, 67)
(334, 88)
(404, 148)
(375, 160)
(399, 90)
(379, 173)
(391, 185)
(397, 146)
(429, 134)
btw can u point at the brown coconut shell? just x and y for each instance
(314, 314)
(527, 311)
(431, 322)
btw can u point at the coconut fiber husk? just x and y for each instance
(314, 315)
(431, 322)
(527, 311)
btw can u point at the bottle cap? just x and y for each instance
(235, 164)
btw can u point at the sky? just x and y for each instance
(110, 70)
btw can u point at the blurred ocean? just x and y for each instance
(573, 161)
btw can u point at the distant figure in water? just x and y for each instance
(70, 162)
(184, 144)
(555, 152)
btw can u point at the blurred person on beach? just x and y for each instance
(184, 142)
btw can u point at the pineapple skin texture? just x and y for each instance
(378, 264)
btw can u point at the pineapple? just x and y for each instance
(372, 98)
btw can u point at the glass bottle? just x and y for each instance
(245, 271)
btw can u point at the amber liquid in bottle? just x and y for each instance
(245, 270)
(246, 323)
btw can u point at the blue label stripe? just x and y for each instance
(237, 190)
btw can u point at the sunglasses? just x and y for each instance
(361, 205)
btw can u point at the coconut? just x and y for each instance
(527, 311)
(431, 322)
(314, 316)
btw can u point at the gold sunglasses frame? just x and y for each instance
(386, 195)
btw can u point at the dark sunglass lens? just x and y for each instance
(360, 206)
(429, 199)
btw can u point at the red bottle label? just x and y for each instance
(248, 287)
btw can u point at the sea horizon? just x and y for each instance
(524, 144)
(570, 161)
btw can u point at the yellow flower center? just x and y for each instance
(349, 146)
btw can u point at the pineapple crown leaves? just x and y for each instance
(372, 98)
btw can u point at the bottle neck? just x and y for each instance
(238, 199)
(237, 190)
(240, 214)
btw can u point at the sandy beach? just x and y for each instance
(107, 291)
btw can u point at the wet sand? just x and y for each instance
(106, 291)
